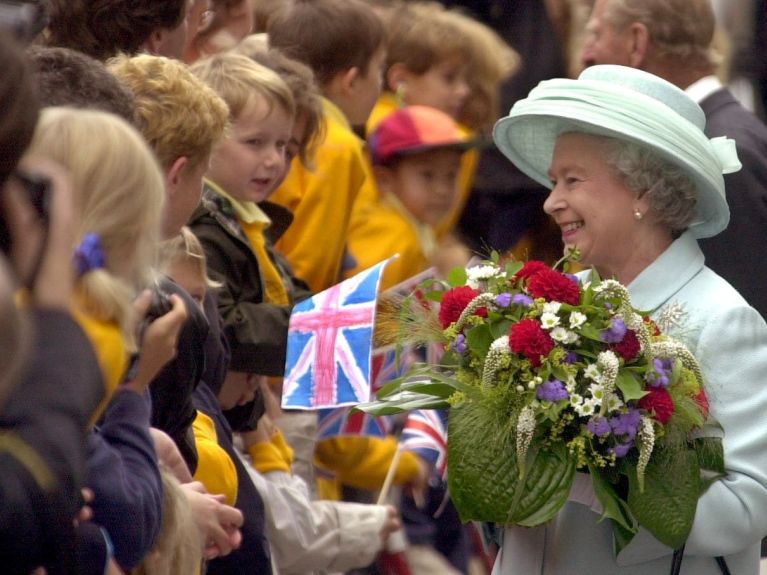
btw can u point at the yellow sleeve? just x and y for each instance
(379, 234)
(321, 201)
(111, 352)
(363, 462)
(274, 455)
(215, 469)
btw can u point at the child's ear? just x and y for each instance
(155, 41)
(174, 173)
(348, 79)
(384, 177)
(396, 75)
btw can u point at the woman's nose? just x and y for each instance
(554, 201)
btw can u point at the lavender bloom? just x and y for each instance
(503, 300)
(626, 423)
(570, 358)
(616, 331)
(522, 299)
(622, 449)
(459, 345)
(599, 426)
(553, 390)
(661, 373)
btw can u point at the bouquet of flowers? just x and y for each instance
(545, 376)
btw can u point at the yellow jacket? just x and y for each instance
(215, 469)
(321, 200)
(386, 105)
(384, 229)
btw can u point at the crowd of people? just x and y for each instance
(177, 174)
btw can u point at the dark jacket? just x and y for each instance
(256, 330)
(49, 413)
(739, 252)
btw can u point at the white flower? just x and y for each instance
(597, 392)
(577, 319)
(592, 372)
(551, 307)
(570, 384)
(477, 274)
(575, 400)
(613, 403)
(549, 320)
(500, 344)
(588, 407)
(559, 334)
(571, 337)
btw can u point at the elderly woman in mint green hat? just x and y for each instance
(634, 184)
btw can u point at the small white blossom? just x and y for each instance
(477, 274)
(501, 344)
(530, 385)
(560, 334)
(592, 372)
(549, 320)
(520, 388)
(613, 403)
(575, 400)
(571, 337)
(597, 392)
(577, 319)
(588, 407)
(552, 307)
(570, 384)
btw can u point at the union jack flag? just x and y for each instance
(329, 345)
(425, 433)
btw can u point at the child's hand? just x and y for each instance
(262, 434)
(219, 524)
(391, 524)
(159, 342)
(169, 455)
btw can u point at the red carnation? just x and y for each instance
(530, 269)
(454, 301)
(702, 400)
(659, 401)
(554, 286)
(628, 347)
(531, 340)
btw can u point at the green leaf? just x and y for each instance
(590, 332)
(401, 402)
(512, 268)
(666, 506)
(614, 507)
(457, 277)
(500, 328)
(434, 295)
(711, 460)
(630, 386)
(479, 339)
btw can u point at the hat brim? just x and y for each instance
(528, 140)
(462, 146)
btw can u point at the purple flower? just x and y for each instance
(522, 299)
(573, 277)
(459, 345)
(599, 426)
(616, 332)
(503, 299)
(622, 449)
(570, 358)
(626, 423)
(659, 376)
(553, 390)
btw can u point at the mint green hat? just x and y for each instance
(626, 104)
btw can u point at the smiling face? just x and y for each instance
(426, 183)
(250, 163)
(595, 210)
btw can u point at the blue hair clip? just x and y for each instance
(89, 255)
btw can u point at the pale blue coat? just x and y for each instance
(729, 338)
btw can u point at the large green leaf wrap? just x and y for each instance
(484, 476)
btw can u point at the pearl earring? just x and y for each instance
(637, 214)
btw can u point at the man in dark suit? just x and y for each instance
(672, 39)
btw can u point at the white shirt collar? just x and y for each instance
(703, 88)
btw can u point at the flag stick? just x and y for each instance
(389, 477)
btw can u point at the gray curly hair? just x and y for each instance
(671, 192)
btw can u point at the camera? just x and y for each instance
(37, 191)
(24, 19)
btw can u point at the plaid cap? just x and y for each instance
(415, 129)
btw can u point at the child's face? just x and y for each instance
(367, 89)
(250, 162)
(427, 184)
(188, 276)
(443, 86)
(238, 389)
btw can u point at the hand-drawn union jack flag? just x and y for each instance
(330, 338)
(425, 433)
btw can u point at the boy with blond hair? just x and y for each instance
(342, 41)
